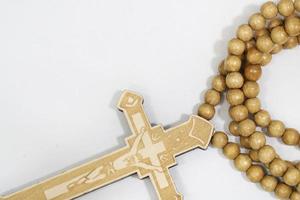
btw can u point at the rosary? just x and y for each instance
(151, 150)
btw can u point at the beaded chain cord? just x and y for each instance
(275, 27)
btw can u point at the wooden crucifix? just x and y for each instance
(149, 152)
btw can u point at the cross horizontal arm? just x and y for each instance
(81, 180)
(195, 133)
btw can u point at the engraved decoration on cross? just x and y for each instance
(149, 152)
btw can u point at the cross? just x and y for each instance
(149, 152)
(152, 151)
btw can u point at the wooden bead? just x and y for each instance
(292, 26)
(257, 140)
(283, 191)
(206, 111)
(269, 183)
(298, 165)
(238, 113)
(290, 164)
(292, 177)
(291, 43)
(276, 49)
(219, 139)
(278, 167)
(298, 187)
(221, 69)
(246, 127)
(252, 72)
(276, 128)
(235, 97)
(266, 58)
(297, 5)
(245, 33)
(257, 21)
(251, 89)
(295, 196)
(250, 44)
(254, 56)
(254, 155)
(244, 141)
(212, 97)
(242, 162)
(234, 80)
(255, 173)
(264, 44)
(262, 118)
(262, 32)
(218, 83)
(233, 63)
(231, 150)
(291, 137)
(253, 105)
(234, 128)
(266, 154)
(274, 23)
(278, 35)
(286, 7)
(236, 47)
(269, 10)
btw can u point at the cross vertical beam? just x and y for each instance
(131, 104)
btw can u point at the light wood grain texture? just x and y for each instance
(149, 152)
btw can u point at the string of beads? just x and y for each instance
(275, 27)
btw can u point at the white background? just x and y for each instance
(64, 63)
